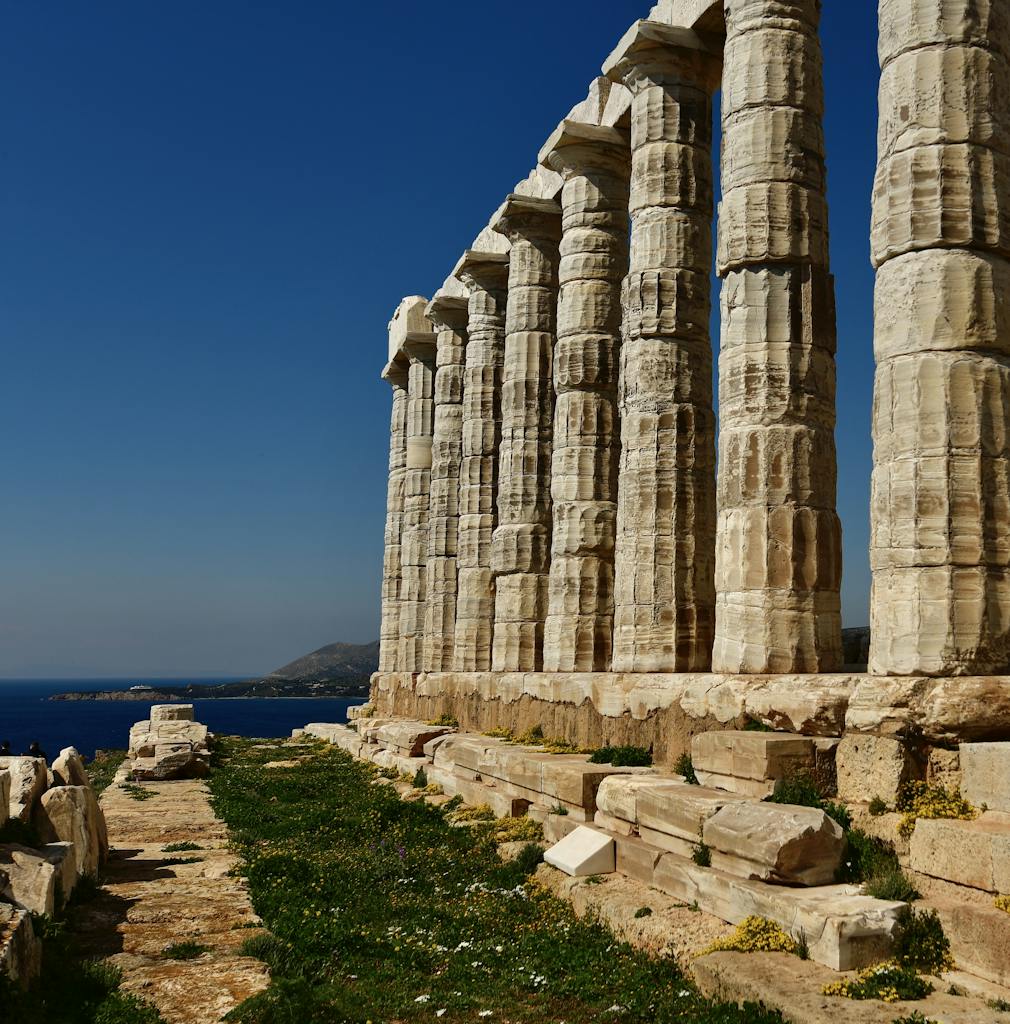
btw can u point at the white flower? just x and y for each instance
(485, 1013)
(422, 999)
(684, 993)
(438, 1013)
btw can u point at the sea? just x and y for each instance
(28, 715)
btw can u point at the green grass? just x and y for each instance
(135, 792)
(685, 766)
(71, 990)
(380, 911)
(184, 951)
(103, 768)
(622, 757)
(185, 847)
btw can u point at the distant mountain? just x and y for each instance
(332, 663)
(336, 670)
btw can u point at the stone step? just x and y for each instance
(409, 738)
(973, 853)
(750, 763)
(979, 937)
(985, 774)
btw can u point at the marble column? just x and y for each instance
(448, 313)
(940, 546)
(595, 164)
(389, 631)
(778, 545)
(486, 276)
(520, 549)
(665, 557)
(420, 350)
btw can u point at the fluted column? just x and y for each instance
(448, 313)
(389, 630)
(778, 549)
(420, 350)
(940, 546)
(595, 163)
(520, 550)
(665, 558)
(486, 276)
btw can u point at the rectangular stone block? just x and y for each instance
(665, 843)
(751, 788)
(677, 809)
(618, 794)
(409, 738)
(972, 853)
(985, 774)
(979, 937)
(583, 852)
(636, 858)
(752, 755)
(614, 825)
(872, 766)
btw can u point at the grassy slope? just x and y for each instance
(381, 912)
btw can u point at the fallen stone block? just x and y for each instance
(185, 763)
(409, 738)
(432, 745)
(979, 937)
(844, 929)
(62, 857)
(20, 947)
(583, 852)
(758, 756)
(462, 752)
(678, 809)
(573, 780)
(520, 766)
(28, 781)
(636, 858)
(69, 814)
(68, 769)
(172, 713)
(985, 774)
(614, 825)
(28, 879)
(618, 794)
(973, 853)
(775, 843)
(749, 789)
(872, 766)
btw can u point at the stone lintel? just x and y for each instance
(420, 345)
(651, 50)
(450, 310)
(528, 216)
(482, 266)
(574, 146)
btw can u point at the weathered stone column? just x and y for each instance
(389, 630)
(520, 550)
(665, 562)
(595, 163)
(420, 350)
(448, 313)
(778, 548)
(486, 276)
(940, 545)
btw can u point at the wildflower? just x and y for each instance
(422, 999)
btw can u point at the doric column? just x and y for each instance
(420, 350)
(486, 276)
(940, 547)
(520, 550)
(448, 313)
(778, 547)
(595, 163)
(389, 630)
(665, 562)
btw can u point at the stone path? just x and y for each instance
(148, 903)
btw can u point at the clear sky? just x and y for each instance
(209, 212)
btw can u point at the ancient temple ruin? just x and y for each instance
(563, 544)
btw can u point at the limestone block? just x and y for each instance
(775, 143)
(5, 796)
(20, 948)
(521, 766)
(62, 857)
(677, 809)
(752, 755)
(613, 825)
(943, 768)
(409, 738)
(985, 774)
(872, 766)
(979, 937)
(753, 789)
(574, 781)
(973, 853)
(463, 752)
(666, 843)
(171, 713)
(844, 929)
(942, 300)
(775, 843)
(617, 795)
(636, 858)
(907, 26)
(68, 769)
(28, 780)
(27, 879)
(583, 852)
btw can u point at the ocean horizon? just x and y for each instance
(28, 715)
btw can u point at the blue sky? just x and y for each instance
(210, 212)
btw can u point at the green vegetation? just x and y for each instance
(685, 766)
(800, 790)
(877, 807)
(103, 768)
(919, 800)
(999, 1005)
(622, 757)
(71, 990)
(135, 792)
(921, 943)
(643, 912)
(890, 981)
(420, 780)
(184, 951)
(702, 856)
(755, 935)
(186, 847)
(380, 910)
(915, 1017)
(445, 721)
(755, 725)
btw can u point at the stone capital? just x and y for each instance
(651, 53)
(395, 372)
(574, 148)
(448, 311)
(528, 217)
(479, 269)
(419, 346)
